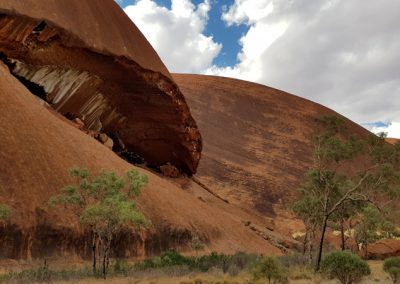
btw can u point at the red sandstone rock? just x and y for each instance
(257, 142)
(392, 140)
(90, 61)
(169, 170)
(38, 146)
(384, 249)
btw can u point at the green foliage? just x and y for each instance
(231, 264)
(172, 258)
(5, 212)
(270, 269)
(332, 195)
(121, 267)
(332, 123)
(104, 204)
(346, 267)
(41, 274)
(392, 267)
(369, 224)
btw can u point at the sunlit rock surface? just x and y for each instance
(258, 141)
(38, 146)
(88, 60)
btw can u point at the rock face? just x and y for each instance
(383, 249)
(392, 140)
(257, 141)
(89, 61)
(38, 146)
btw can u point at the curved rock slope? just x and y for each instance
(392, 140)
(38, 146)
(257, 140)
(88, 60)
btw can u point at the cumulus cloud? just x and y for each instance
(177, 34)
(343, 54)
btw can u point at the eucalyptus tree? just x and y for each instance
(105, 204)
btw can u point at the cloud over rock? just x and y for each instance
(177, 33)
(343, 54)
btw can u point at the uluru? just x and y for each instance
(114, 163)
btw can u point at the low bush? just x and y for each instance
(270, 269)
(392, 267)
(294, 260)
(348, 268)
(173, 258)
(121, 266)
(231, 264)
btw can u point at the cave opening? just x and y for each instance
(39, 28)
(39, 91)
(34, 88)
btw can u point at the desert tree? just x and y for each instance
(368, 226)
(332, 183)
(307, 209)
(105, 204)
(372, 225)
(344, 219)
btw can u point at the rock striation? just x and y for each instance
(38, 146)
(257, 141)
(89, 61)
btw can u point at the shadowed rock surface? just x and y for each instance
(88, 60)
(38, 146)
(257, 141)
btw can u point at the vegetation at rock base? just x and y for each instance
(371, 227)
(235, 268)
(104, 204)
(348, 268)
(5, 212)
(332, 187)
(392, 267)
(270, 269)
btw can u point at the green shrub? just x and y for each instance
(346, 267)
(206, 262)
(392, 267)
(271, 269)
(173, 258)
(5, 212)
(121, 266)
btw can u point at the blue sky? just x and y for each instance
(341, 54)
(227, 36)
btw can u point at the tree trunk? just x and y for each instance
(310, 248)
(342, 234)
(107, 245)
(321, 242)
(104, 262)
(94, 252)
(108, 251)
(305, 242)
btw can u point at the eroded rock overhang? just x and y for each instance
(142, 110)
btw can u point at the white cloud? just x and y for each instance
(392, 129)
(342, 54)
(177, 34)
(247, 12)
(255, 42)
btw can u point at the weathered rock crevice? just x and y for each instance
(47, 241)
(141, 110)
